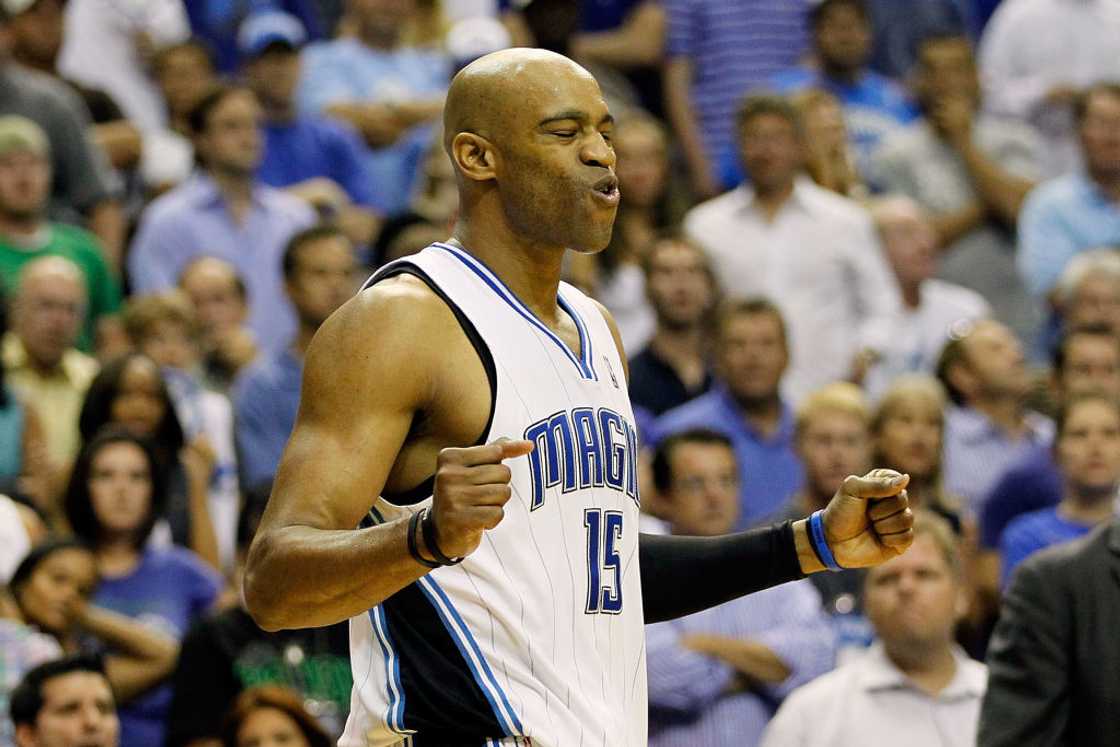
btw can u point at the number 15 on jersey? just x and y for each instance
(604, 565)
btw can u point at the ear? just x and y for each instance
(474, 156)
(25, 736)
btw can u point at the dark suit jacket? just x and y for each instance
(1054, 659)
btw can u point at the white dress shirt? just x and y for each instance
(819, 260)
(1032, 46)
(871, 702)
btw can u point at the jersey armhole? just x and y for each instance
(425, 488)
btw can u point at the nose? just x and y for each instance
(598, 152)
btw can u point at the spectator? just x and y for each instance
(898, 28)
(1087, 451)
(913, 687)
(226, 653)
(221, 306)
(275, 713)
(185, 73)
(745, 405)
(26, 234)
(642, 148)
(216, 24)
(52, 587)
(407, 234)
(1088, 292)
(714, 676)
(319, 159)
(320, 274)
(163, 327)
(989, 429)
(833, 440)
(874, 106)
(389, 90)
(437, 200)
(970, 172)
(1078, 211)
(82, 186)
(812, 250)
(910, 341)
(673, 368)
(131, 393)
(715, 53)
(113, 502)
(40, 361)
(108, 47)
(66, 703)
(908, 429)
(1086, 360)
(1038, 56)
(828, 155)
(224, 211)
(1052, 659)
(21, 649)
(24, 467)
(35, 34)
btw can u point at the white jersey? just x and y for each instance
(536, 638)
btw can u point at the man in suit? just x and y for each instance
(1053, 658)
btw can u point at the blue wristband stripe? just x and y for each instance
(820, 544)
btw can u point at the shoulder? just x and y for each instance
(43, 89)
(961, 301)
(1026, 527)
(717, 209)
(1055, 194)
(792, 79)
(827, 689)
(828, 205)
(179, 561)
(175, 206)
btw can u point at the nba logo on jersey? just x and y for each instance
(610, 370)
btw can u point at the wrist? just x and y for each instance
(806, 557)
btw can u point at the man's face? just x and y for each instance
(994, 358)
(36, 33)
(1096, 301)
(642, 164)
(913, 600)
(381, 19)
(184, 76)
(232, 140)
(49, 316)
(555, 168)
(911, 245)
(909, 437)
(703, 499)
(325, 277)
(752, 356)
(25, 183)
(946, 68)
(1092, 365)
(833, 445)
(1100, 134)
(218, 303)
(771, 150)
(274, 75)
(678, 285)
(170, 343)
(78, 711)
(1088, 447)
(843, 39)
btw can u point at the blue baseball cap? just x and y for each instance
(260, 30)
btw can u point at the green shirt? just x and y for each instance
(81, 248)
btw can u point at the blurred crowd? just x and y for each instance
(853, 233)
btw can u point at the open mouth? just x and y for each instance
(606, 190)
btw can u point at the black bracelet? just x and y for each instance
(428, 527)
(413, 550)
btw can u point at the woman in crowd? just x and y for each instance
(270, 716)
(52, 589)
(113, 500)
(130, 392)
(828, 157)
(1087, 450)
(907, 428)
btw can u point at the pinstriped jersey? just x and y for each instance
(536, 638)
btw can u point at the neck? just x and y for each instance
(930, 667)
(20, 226)
(685, 344)
(379, 38)
(1088, 504)
(764, 414)
(530, 269)
(845, 75)
(278, 112)
(771, 199)
(117, 555)
(236, 189)
(1005, 412)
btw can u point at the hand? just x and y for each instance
(235, 347)
(472, 486)
(198, 460)
(869, 520)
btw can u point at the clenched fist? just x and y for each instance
(869, 520)
(471, 488)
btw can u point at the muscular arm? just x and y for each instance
(367, 373)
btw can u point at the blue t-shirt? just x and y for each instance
(1033, 484)
(168, 591)
(314, 146)
(265, 403)
(217, 22)
(1033, 532)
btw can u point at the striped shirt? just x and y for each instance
(1032, 532)
(692, 701)
(734, 46)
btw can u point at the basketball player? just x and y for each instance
(470, 413)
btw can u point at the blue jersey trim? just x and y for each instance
(487, 276)
(461, 634)
(394, 715)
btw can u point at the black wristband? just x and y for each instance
(413, 550)
(428, 527)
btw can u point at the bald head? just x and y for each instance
(50, 308)
(496, 87)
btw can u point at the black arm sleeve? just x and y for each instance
(682, 575)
